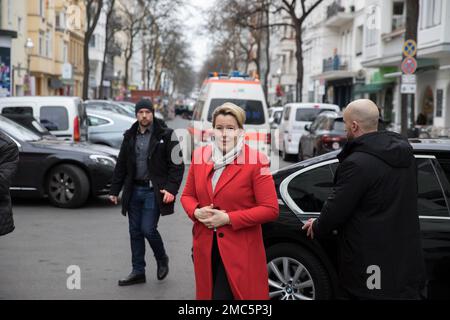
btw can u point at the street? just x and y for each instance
(47, 240)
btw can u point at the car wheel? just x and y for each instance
(296, 274)
(67, 186)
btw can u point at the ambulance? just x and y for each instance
(241, 90)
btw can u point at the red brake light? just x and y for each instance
(328, 139)
(268, 138)
(76, 129)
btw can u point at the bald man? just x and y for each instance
(373, 208)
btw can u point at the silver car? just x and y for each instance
(107, 128)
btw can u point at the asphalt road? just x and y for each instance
(35, 258)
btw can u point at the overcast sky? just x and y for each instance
(194, 18)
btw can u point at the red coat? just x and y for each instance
(250, 200)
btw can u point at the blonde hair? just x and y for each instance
(231, 109)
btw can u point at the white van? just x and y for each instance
(240, 90)
(65, 117)
(295, 117)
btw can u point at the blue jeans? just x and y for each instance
(143, 216)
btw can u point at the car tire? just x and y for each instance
(313, 283)
(76, 181)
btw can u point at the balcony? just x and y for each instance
(336, 67)
(337, 16)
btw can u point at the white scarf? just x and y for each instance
(220, 160)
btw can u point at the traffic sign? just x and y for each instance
(408, 88)
(409, 48)
(409, 79)
(409, 65)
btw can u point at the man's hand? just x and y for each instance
(217, 218)
(309, 228)
(114, 199)
(168, 197)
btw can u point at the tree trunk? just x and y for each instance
(266, 75)
(299, 58)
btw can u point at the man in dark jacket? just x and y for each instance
(150, 170)
(9, 160)
(373, 208)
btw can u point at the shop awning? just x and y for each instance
(370, 88)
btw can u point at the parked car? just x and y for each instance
(110, 106)
(64, 117)
(120, 107)
(292, 127)
(275, 114)
(325, 134)
(107, 128)
(301, 268)
(65, 172)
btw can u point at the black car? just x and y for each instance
(326, 134)
(301, 268)
(65, 172)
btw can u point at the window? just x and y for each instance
(41, 43)
(198, 110)
(311, 189)
(432, 12)
(65, 51)
(338, 126)
(55, 117)
(18, 110)
(41, 8)
(316, 123)
(92, 42)
(94, 121)
(439, 102)
(398, 15)
(431, 200)
(359, 40)
(48, 44)
(287, 113)
(254, 112)
(308, 114)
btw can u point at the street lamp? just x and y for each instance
(29, 45)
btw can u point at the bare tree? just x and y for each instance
(113, 25)
(297, 20)
(93, 10)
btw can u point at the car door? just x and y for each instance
(433, 210)
(311, 136)
(284, 127)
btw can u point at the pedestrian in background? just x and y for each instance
(229, 193)
(9, 160)
(150, 179)
(374, 209)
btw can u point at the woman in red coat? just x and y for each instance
(229, 193)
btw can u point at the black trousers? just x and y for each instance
(221, 287)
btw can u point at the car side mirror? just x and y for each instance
(307, 127)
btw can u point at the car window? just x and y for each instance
(277, 116)
(338, 125)
(18, 110)
(316, 123)
(95, 121)
(254, 111)
(308, 114)
(431, 199)
(57, 118)
(17, 131)
(287, 113)
(311, 189)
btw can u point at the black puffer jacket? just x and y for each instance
(374, 209)
(165, 172)
(9, 160)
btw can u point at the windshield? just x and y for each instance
(17, 131)
(309, 114)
